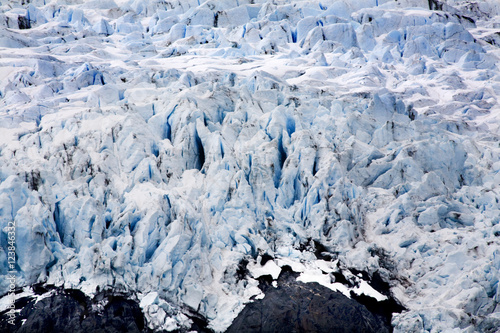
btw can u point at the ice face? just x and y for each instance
(152, 146)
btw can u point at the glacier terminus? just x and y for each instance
(250, 165)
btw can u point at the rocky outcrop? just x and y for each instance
(307, 307)
(71, 311)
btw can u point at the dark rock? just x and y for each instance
(320, 251)
(306, 307)
(340, 278)
(265, 282)
(242, 270)
(382, 310)
(493, 39)
(72, 311)
(199, 325)
(265, 258)
(23, 22)
(435, 5)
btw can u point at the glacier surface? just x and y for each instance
(151, 146)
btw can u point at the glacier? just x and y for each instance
(153, 146)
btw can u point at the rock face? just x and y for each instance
(72, 311)
(289, 305)
(306, 307)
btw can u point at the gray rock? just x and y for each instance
(306, 307)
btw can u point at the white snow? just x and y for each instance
(270, 268)
(318, 271)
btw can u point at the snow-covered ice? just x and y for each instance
(153, 146)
